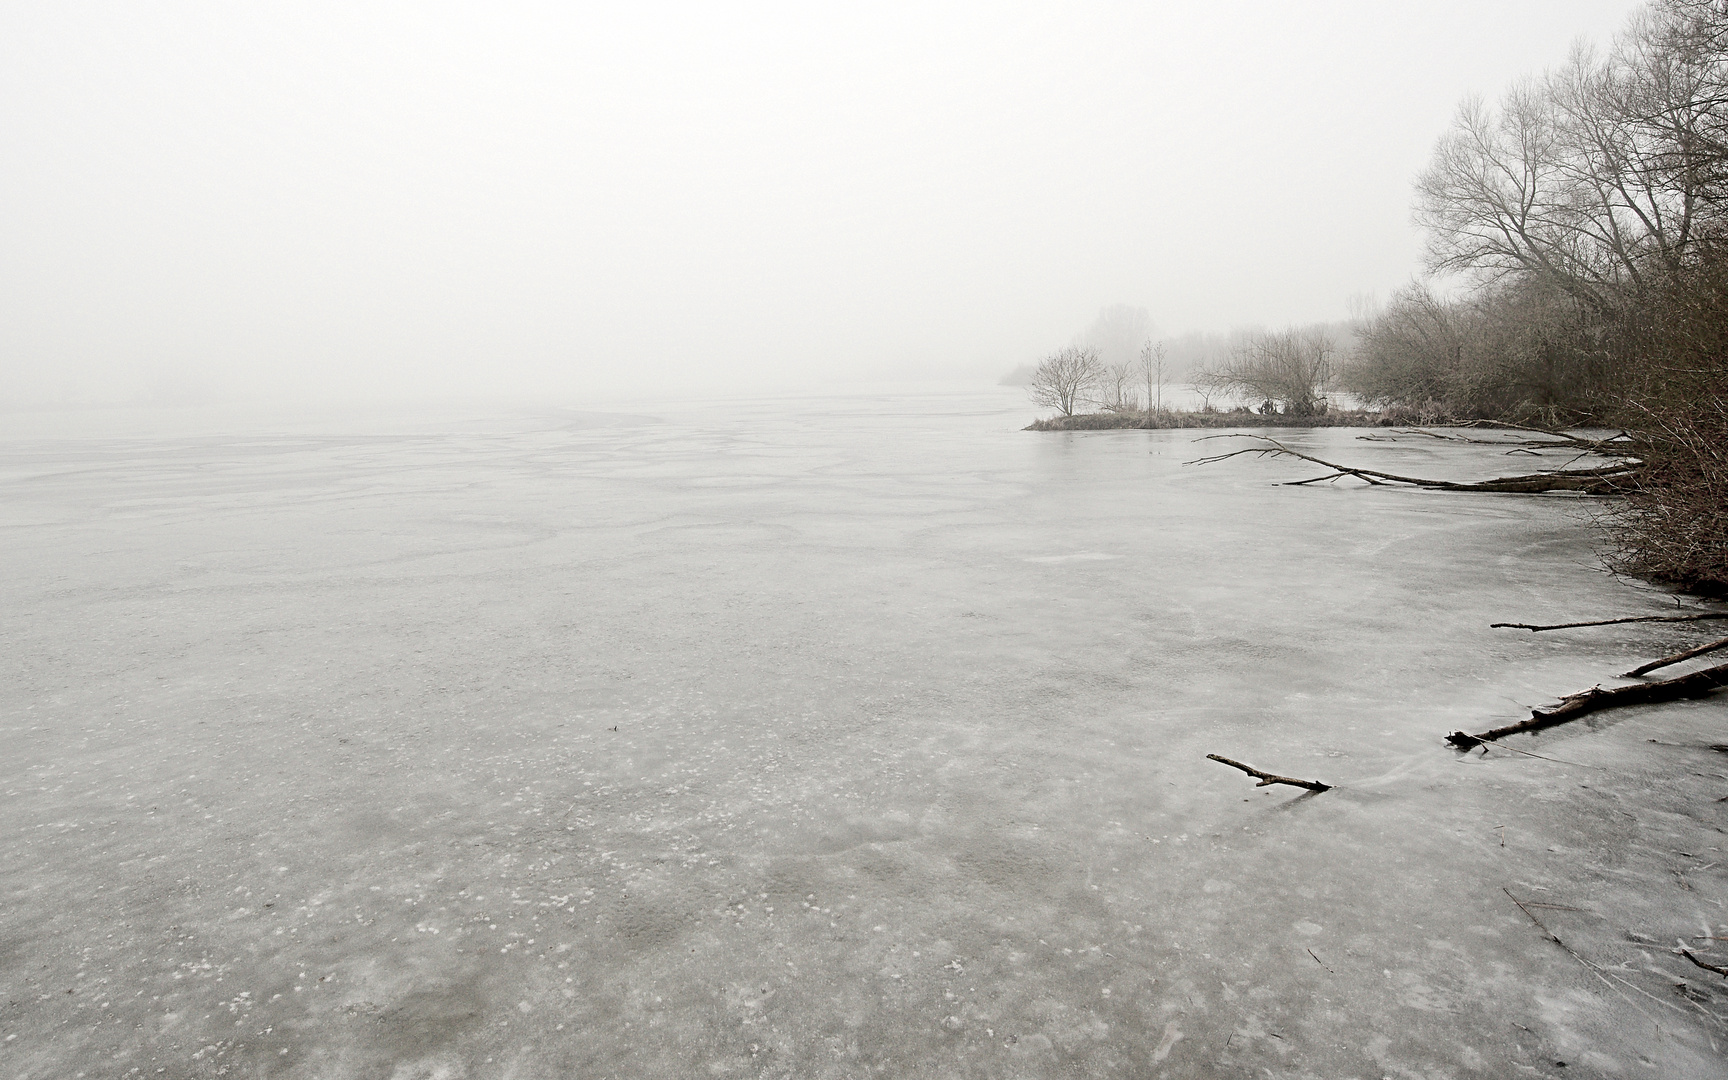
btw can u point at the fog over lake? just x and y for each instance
(370, 200)
(821, 736)
(667, 540)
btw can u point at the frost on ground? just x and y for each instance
(825, 738)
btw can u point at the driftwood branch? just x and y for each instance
(1268, 778)
(1595, 699)
(1537, 628)
(1644, 669)
(1601, 480)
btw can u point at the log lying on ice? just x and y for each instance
(1595, 699)
(1268, 778)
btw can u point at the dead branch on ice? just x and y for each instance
(1687, 953)
(1536, 629)
(1616, 444)
(1644, 669)
(1595, 699)
(1269, 778)
(1601, 480)
(1613, 444)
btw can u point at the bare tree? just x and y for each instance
(1288, 370)
(1116, 389)
(1597, 176)
(1204, 388)
(1495, 197)
(1150, 367)
(1411, 352)
(1523, 350)
(1063, 380)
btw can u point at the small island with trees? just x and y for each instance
(1287, 377)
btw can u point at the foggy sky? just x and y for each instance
(308, 200)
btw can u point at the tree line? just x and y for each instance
(1585, 215)
(1587, 211)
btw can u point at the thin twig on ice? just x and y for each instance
(1269, 778)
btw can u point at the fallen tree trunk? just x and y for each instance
(1595, 699)
(1268, 778)
(1602, 480)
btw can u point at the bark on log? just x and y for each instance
(1595, 699)
(1268, 778)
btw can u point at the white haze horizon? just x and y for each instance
(319, 202)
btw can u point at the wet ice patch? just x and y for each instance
(1078, 556)
(1172, 1034)
(435, 1068)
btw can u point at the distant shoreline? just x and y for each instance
(1180, 419)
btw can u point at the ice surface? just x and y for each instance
(824, 737)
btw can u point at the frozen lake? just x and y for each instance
(822, 737)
